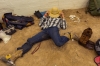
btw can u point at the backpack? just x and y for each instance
(94, 7)
(38, 14)
(97, 47)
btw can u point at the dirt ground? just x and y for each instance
(70, 54)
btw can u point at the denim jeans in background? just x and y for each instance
(52, 32)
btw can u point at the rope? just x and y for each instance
(36, 48)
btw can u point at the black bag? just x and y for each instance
(97, 47)
(1, 27)
(38, 14)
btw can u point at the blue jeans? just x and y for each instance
(52, 32)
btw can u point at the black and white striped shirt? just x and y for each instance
(52, 22)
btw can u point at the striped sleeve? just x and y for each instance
(63, 24)
(41, 21)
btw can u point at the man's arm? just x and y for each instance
(63, 23)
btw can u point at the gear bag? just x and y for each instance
(97, 47)
(94, 7)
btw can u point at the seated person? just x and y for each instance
(51, 22)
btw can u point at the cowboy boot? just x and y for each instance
(86, 35)
(84, 39)
(11, 59)
(16, 55)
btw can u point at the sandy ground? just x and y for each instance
(70, 54)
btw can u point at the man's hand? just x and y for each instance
(62, 15)
(46, 14)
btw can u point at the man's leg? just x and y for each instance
(27, 46)
(31, 41)
(55, 36)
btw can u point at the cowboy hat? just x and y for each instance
(54, 12)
